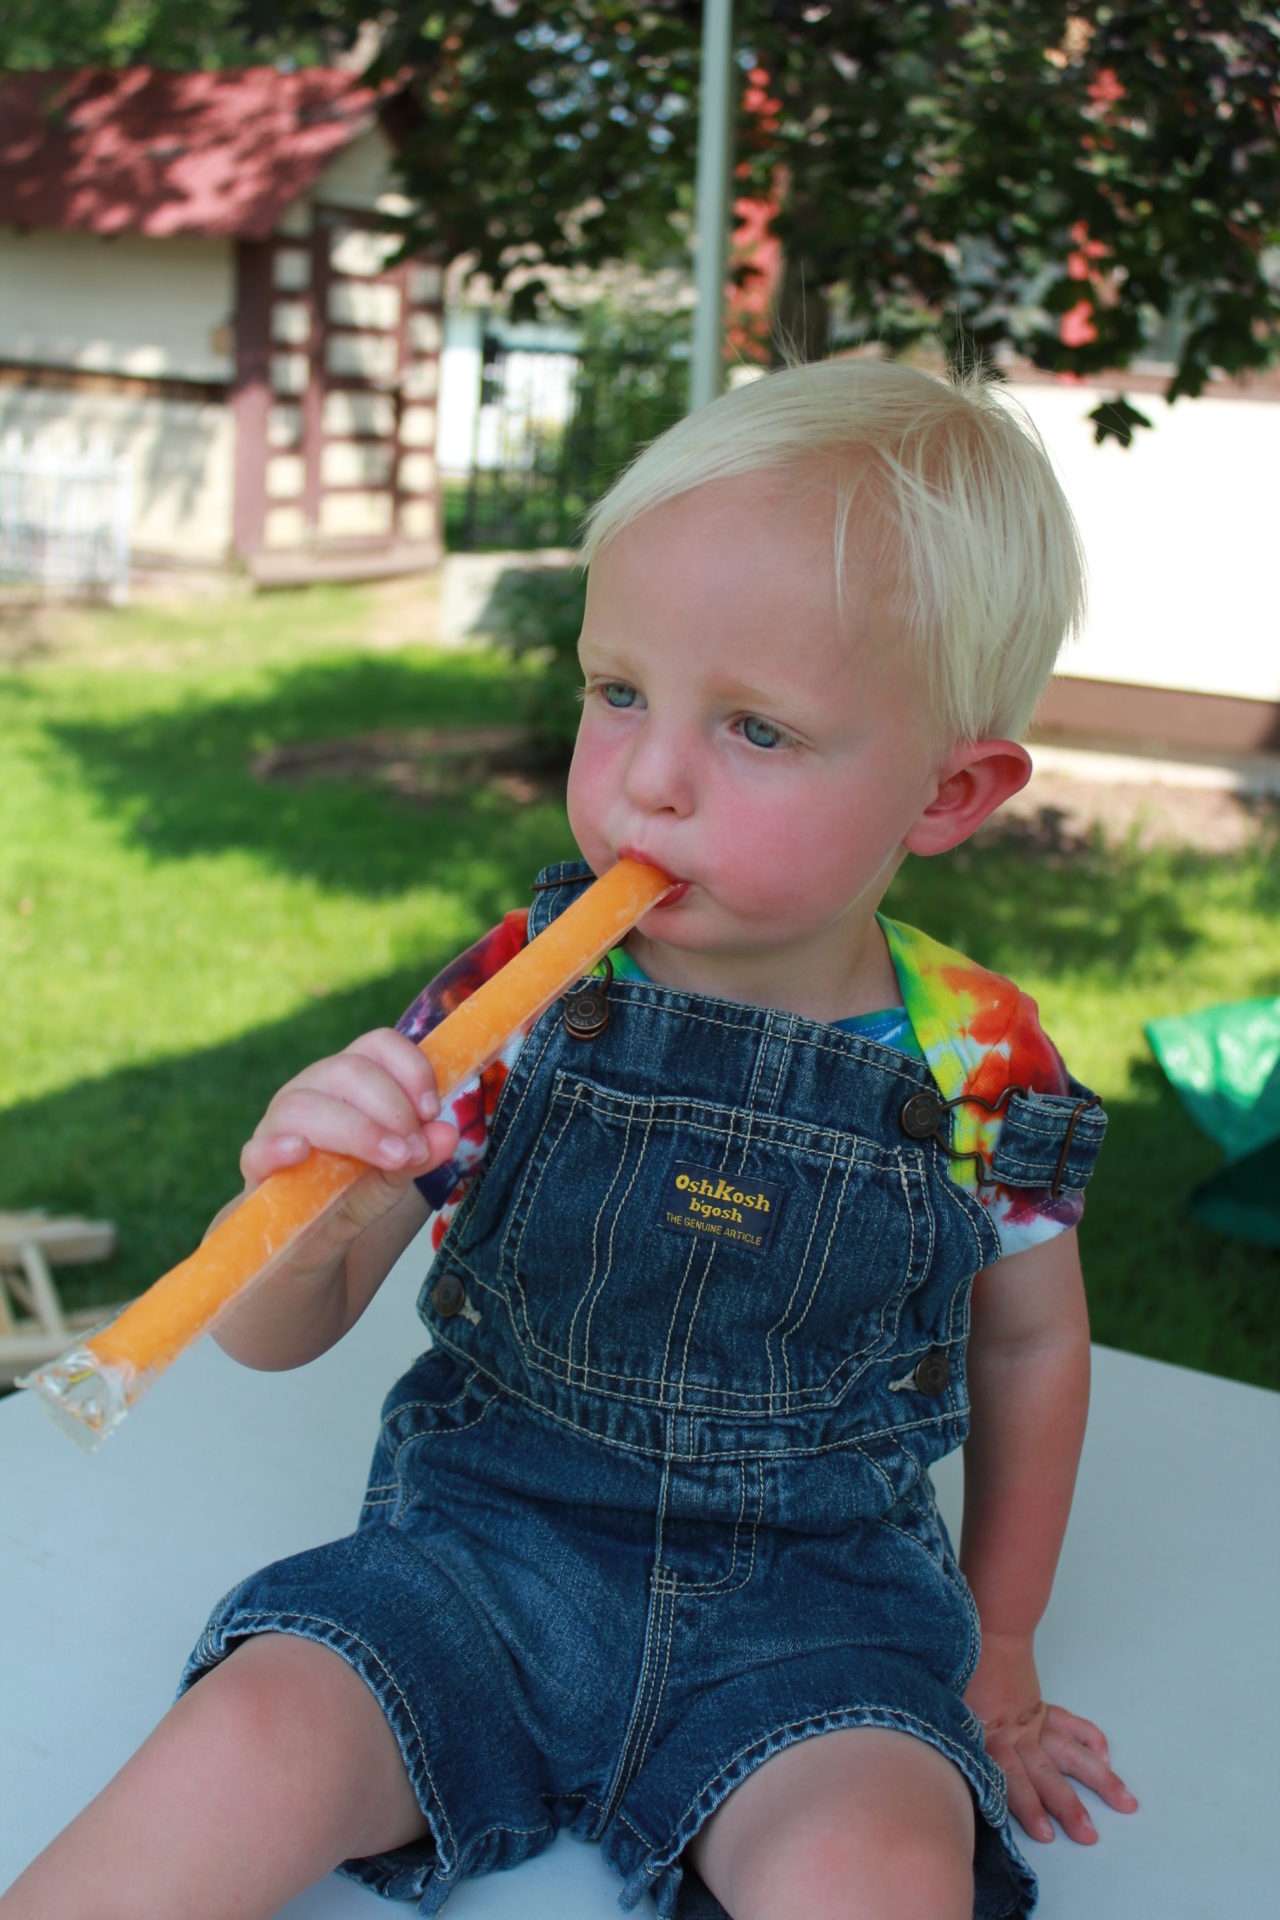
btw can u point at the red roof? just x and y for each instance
(135, 150)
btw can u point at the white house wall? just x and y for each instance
(1179, 530)
(362, 176)
(130, 305)
(182, 455)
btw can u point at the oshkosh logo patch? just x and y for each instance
(730, 1207)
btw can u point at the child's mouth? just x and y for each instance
(679, 888)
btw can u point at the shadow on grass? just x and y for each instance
(155, 1148)
(181, 782)
(1095, 907)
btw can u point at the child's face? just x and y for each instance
(734, 734)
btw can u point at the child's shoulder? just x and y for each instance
(459, 980)
(977, 1029)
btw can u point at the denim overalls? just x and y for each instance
(656, 1503)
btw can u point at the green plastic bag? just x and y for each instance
(1224, 1064)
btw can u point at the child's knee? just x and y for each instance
(860, 1825)
(285, 1708)
(818, 1868)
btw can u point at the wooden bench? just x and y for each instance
(1164, 1626)
(33, 1323)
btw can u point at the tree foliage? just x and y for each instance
(1084, 184)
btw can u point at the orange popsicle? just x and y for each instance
(90, 1389)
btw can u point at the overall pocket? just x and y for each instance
(691, 1255)
(435, 1403)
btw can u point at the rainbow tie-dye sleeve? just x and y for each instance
(979, 1034)
(470, 1106)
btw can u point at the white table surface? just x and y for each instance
(1164, 1624)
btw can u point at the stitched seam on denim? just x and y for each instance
(643, 1838)
(788, 1331)
(1033, 1173)
(595, 1236)
(718, 1586)
(680, 1113)
(415, 1439)
(783, 1047)
(522, 1211)
(1021, 1117)
(613, 1229)
(987, 1780)
(653, 1624)
(727, 1401)
(504, 1124)
(847, 1443)
(502, 1826)
(416, 1406)
(722, 1585)
(705, 1275)
(709, 1262)
(661, 1685)
(892, 1064)
(695, 1248)
(318, 1620)
(623, 1772)
(966, 1204)
(875, 1467)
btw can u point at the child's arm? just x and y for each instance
(376, 1101)
(1028, 1370)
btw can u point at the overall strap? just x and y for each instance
(556, 888)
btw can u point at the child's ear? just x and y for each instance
(972, 782)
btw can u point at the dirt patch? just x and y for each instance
(425, 765)
(1062, 816)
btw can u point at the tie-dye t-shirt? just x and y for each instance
(975, 1030)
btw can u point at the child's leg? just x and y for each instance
(276, 1766)
(862, 1824)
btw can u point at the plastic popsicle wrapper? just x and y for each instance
(91, 1388)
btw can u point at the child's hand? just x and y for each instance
(377, 1101)
(1041, 1748)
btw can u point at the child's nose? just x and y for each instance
(660, 770)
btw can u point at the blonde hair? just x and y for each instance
(960, 513)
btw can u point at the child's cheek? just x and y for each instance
(588, 796)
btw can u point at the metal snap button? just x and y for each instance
(448, 1296)
(933, 1373)
(586, 1009)
(586, 1013)
(923, 1115)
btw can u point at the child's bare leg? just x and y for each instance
(275, 1767)
(862, 1824)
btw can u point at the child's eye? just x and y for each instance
(763, 733)
(616, 693)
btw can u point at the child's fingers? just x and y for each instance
(1057, 1797)
(389, 1136)
(405, 1062)
(1024, 1802)
(1078, 1728)
(1089, 1767)
(381, 1075)
(268, 1153)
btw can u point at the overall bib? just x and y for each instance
(656, 1503)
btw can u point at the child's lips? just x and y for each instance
(678, 887)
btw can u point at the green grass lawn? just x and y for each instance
(179, 936)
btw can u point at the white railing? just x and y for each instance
(65, 517)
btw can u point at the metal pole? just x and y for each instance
(715, 142)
